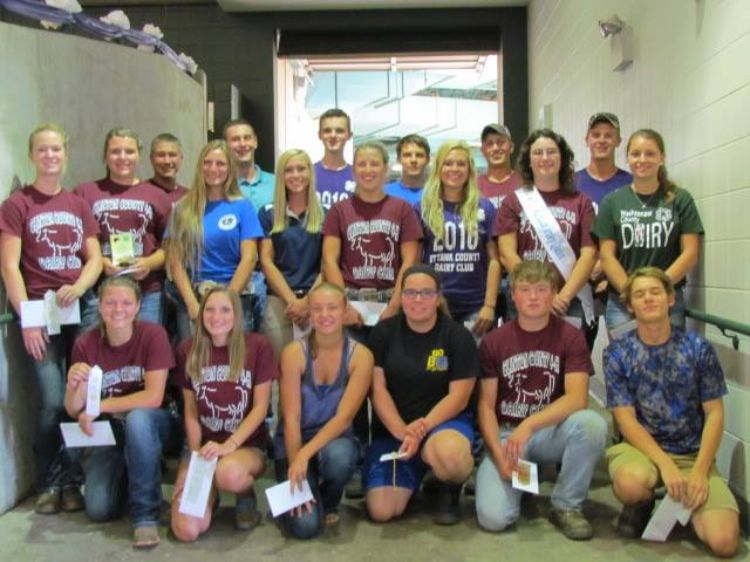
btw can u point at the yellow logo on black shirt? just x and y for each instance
(437, 361)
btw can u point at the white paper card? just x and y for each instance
(299, 333)
(200, 476)
(469, 324)
(573, 321)
(527, 479)
(663, 521)
(94, 391)
(74, 436)
(281, 498)
(394, 456)
(32, 314)
(370, 311)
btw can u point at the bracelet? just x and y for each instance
(490, 305)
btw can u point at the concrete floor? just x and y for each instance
(26, 536)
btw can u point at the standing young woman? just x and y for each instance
(135, 358)
(548, 220)
(324, 380)
(211, 238)
(226, 376)
(425, 368)
(649, 223)
(48, 242)
(122, 203)
(370, 238)
(458, 240)
(291, 249)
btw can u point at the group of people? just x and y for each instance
(375, 306)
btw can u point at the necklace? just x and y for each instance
(649, 199)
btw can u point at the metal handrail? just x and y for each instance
(723, 324)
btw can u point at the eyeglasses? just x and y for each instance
(539, 152)
(424, 293)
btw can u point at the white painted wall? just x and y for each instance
(690, 80)
(88, 87)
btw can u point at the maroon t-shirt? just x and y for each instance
(496, 192)
(173, 195)
(142, 210)
(573, 211)
(53, 232)
(531, 366)
(371, 235)
(222, 404)
(124, 365)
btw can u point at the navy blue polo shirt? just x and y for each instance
(296, 252)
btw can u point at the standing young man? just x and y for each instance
(532, 406)
(413, 152)
(166, 160)
(333, 175)
(500, 179)
(602, 176)
(257, 186)
(665, 389)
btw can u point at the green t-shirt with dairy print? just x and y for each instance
(647, 229)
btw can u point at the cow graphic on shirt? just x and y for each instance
(225, 407)
(565, 218)
(116, 216)
(375, 242)
(62, 233)
(532, 378)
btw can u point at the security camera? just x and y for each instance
(610, 26)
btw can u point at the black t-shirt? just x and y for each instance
(420, 367)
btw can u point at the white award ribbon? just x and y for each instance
(557, 246)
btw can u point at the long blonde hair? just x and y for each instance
(200, 352)
(314, 212)
(432, 199)
(312, 343)
(185, 241)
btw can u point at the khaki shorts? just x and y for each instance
(719, 495)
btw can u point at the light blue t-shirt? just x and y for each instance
(260, 190)
(409, 194)
(226, 224)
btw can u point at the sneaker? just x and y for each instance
(71, 499)
(145, 537)
(448, 510)
(48, 502)
(634, 518)
(572, 523)
(246, 514)
(355, 489)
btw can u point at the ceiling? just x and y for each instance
(286, 5)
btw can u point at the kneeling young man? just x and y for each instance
(533, 400)
(665, 388)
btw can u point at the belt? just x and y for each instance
(369, 294)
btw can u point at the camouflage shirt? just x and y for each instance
(667, 384)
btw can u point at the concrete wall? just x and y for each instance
(88, 87)
(690, 80)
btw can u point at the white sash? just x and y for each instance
(557, 246)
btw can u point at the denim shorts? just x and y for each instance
(407, 473)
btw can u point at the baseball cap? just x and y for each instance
(496, 128)
(604, 117)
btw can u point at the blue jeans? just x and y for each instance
(577, 443)
(617, 313)
(327, 475)
(258, 299)
(134, 464)
(55, 467)
(152, 309)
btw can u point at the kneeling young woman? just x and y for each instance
(425, 368)
(135, 358)
(324, 380)
(226, 376)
